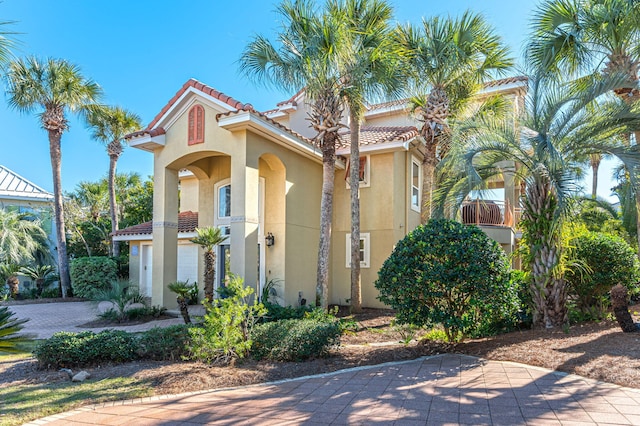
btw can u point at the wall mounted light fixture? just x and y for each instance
(269, 239)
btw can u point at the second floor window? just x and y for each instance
(196, 125)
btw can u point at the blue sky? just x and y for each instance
(142, 51)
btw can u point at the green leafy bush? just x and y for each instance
(602, 261)
(276, 312)
(226, 330)
(164, 344)
(449, 274)
(294, 340)
(66, 349)
(91, 274)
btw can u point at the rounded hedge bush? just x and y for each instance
(294, 339)
(602, 261)
(449, 274)
(91, 274)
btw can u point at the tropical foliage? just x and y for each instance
(9, 329)
(53, 88)
(450, 59)
(560, 124)
(109, 126)
(208, 238)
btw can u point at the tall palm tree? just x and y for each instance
(558, 129)
(450, 59)
(305, 56)
(53, 87)
(586, 36)
(109, 125)
(208, 238)
(369, 67)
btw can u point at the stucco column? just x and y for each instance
(244, 217)
(165, 236)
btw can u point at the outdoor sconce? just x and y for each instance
(269, 239)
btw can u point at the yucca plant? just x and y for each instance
(9, 328)
(208, 238)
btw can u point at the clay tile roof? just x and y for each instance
(203, 88)
(370, 135)
(187, 222)
(153, 132)
(388, 104)
(271, 121)
(291, 100)
(508, 80)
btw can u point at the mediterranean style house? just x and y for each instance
(258, 176)
(20, 195)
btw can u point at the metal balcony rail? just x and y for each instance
(489, 213)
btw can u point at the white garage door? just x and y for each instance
(188, 262)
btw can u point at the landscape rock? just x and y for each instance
(80, 377)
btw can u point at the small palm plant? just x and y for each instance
(9, 274)
(121, 294)
(208, 238)
(43, 275)
(9, 327)
(183, 293)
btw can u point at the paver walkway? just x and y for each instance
(48, 318)
(445, 389)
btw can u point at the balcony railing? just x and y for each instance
(489, 213)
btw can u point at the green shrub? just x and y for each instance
(91, 274)
(602, 261)
(65, 349)
(276, 312)
(225, 332)
(294, 340)
(449, 274)
(164, 344)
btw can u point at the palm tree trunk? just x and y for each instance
(209, 274)
(113, 206)
(429, 164)
(595, 166)
(184, 309)
(326, 215)
(548, 289)
(354, 182)
(56, 163)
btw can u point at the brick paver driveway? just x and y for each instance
(445, 389)
(48, 318)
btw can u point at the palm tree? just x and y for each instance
(109, 126)
(450, 59)
(305, 56)
(6, 42)
(579, 36)
(43, 275)
(21, 237)
(208, 238)
(558, 129)
(53, 86)
(369, 67)
(181, 289)
(9, 327)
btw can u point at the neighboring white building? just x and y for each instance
(23, 196)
